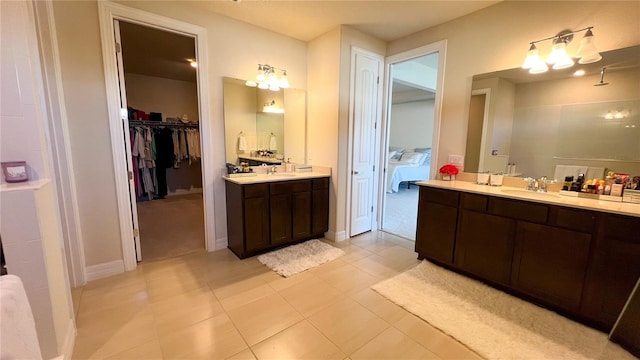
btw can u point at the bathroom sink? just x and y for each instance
(530, 194)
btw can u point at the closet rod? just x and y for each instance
(160, 124)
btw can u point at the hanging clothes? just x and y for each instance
(165, 158)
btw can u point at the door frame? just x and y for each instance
(441, 48)
(485, 123)
(108, 12)
(374, 225)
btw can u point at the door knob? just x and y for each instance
(355, 172)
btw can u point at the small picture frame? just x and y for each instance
(14, 171)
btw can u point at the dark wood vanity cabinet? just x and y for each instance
(436, 227)
(264, 216)
(579, 262)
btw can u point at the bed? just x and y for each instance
(411, 165)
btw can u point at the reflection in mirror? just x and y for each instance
(549, 124)
(263, 126)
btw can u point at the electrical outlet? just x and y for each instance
(457, 160)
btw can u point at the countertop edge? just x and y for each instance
(267, 179)
(619, 208)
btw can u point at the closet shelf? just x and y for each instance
(162, 124)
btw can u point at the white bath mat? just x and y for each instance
(492, 323)
(297, 258)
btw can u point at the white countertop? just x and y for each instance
(262, 178)
(553, 198)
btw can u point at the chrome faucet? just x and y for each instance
(539, 185)
(272, 170)
(542, 184)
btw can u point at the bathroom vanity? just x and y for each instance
(270, 211)
(580, 257)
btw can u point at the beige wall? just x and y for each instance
(412, 124)
(172, 98)
(497, 38)
(234, 48)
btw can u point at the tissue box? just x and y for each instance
(482, 179)
(496, 180)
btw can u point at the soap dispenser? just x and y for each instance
(288, 166)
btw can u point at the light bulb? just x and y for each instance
(559, 57)
(609, 116)
(284, 82)
(532, 58)
(539, 67)
(587, 51)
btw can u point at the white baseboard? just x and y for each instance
(221, 243)
(95, 272)
(179, 192)
(336, 235)
(69, 340)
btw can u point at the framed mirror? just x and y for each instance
(263, 126)
(558, 123)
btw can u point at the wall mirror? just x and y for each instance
(257, 119)
(557, 123)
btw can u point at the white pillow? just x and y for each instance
(412, 158)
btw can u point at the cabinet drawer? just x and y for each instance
(439, 196)
(474, 202)
(572, 219)
(255, 190)
(624, 228)
(519, 210)
(290, 186)
(322, 183)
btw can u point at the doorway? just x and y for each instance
(110, 15)
(164, 132)
(411, 135)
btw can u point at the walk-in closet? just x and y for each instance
(164, 136)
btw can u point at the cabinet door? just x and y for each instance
(485, 245)
(280, 206)
(550, 263)
(256, 223)
(320, 212)
(436, 231)
(301, 215)
(615, 268)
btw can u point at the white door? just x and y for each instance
(124, 120)
(365, 111)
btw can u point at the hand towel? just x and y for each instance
(273, 143)
(18, 337)
(242, 142)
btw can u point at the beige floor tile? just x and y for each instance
(379, 305)
(214, 338)
(349, 279)
(245, 354)
(263, 318)
(311, 296)
(282, 283)
(147, 351)
(237, 284)
(126, 279)
(300, 341)
(163, 288)
(246, 297)
(133, 294)
(374, 244)
(329, 266)
(348, 324)
(186, 309)
(355, 253)
(392, 344)
(109, 334)
(433, 339)
(374, 265)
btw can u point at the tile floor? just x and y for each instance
(215, 306)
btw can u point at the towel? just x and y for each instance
(18, 337)
(242, 142)
(273, 143)
(563, 171)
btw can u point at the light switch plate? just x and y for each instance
(457, 160)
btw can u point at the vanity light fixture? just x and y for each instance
(270, 107)
(579, 73)
(559, 59)
(267, 78)
(192, 63)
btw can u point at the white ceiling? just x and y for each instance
(307, 19)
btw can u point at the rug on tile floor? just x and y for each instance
(297, 258)
(490, 322)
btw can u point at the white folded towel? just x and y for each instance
(18, 337)
(242, 142)
(273, 143)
